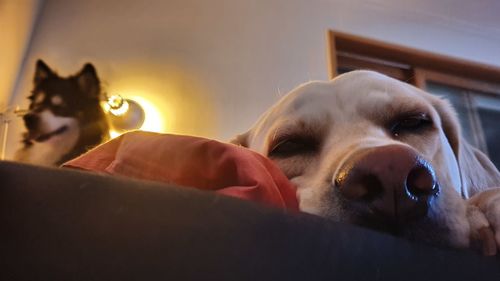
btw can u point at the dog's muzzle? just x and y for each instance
(31, 121)
(391, 182)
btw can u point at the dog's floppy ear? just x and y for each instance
(42, 71)
(88, 81)
(477, 172)
(241, 140)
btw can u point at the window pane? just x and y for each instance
(488, 108)
(457, 97)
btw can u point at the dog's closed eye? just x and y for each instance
(289, 146)
(412, 123)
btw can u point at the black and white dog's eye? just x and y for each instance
(409, 124)
(57, 101)
(293, 146)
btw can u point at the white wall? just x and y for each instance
(214, 66)
(17, 18)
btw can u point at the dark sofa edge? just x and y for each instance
(67, 224)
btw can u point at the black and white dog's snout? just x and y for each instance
(31, 121)
(40, 130)
(391, 182)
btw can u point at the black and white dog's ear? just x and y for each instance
(42, 71)
(88, 81)
(477, 172)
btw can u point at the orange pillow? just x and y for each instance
(192, 161)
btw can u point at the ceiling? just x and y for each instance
(16, 22)
(478, 19)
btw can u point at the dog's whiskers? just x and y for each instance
(279, 94)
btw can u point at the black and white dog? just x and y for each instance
(64, 118)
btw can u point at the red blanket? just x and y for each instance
(192, 161)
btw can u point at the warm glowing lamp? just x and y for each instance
(124, 114)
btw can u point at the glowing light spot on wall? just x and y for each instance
(113, 134)
(154, 120)
(122, 118)
(171, 98)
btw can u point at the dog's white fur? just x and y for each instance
(345, 115)
(50, 151)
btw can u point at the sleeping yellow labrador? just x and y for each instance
(368, 149)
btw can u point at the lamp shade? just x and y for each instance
(125, 114)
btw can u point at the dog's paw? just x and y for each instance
(483, 213)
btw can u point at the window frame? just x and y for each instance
(416, 67)
(404, 60)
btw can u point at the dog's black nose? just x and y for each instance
(30, 120)
(392, 181)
